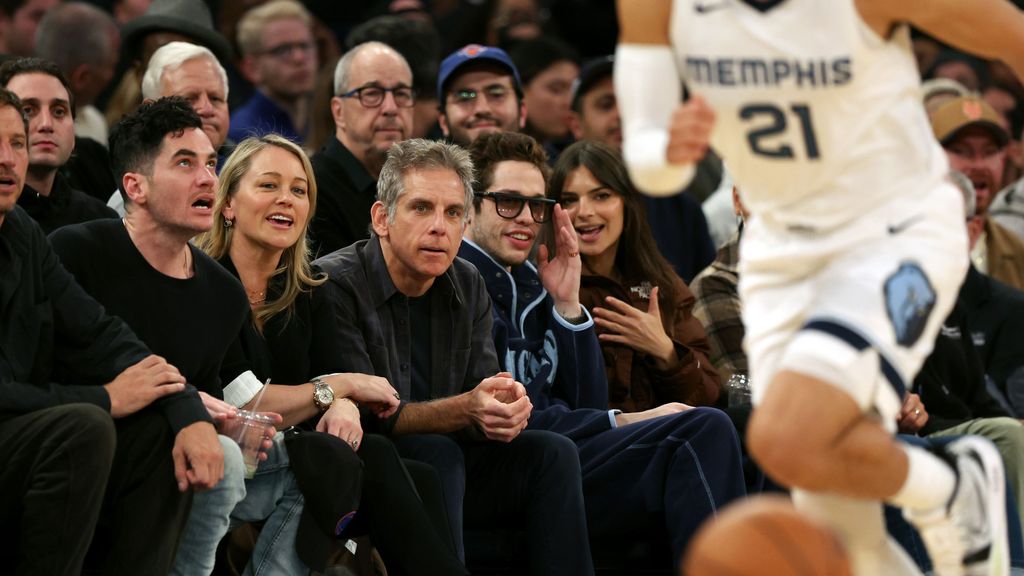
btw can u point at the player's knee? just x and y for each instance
(783, 450)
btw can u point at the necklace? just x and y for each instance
(257, 297)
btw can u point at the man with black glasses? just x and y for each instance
(372, 110)
(653, 474)
(478, 91)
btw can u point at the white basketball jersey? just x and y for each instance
(817, 117)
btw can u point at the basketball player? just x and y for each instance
(855, 249)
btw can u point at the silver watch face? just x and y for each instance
(324, 395)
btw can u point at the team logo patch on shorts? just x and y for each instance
(909, 298)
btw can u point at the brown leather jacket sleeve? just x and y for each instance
(693, 379)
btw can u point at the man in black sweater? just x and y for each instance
(66, 370)
(47, 98)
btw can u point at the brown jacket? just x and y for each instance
(1005, 255)
(634, 382)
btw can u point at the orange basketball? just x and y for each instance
(765, 536)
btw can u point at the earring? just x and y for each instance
(228, 223)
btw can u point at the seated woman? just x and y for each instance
(265, 201)
(655, 351)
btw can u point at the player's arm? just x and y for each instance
(649, 90)
(988, 28)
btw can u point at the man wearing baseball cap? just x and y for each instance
(975, 141)
(478, 91)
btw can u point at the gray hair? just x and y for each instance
(344, 67)
(170, 56)
(966, 187)
(422, 154)
(75, 33)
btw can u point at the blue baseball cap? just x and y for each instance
(473, 53)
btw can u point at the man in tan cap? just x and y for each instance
(975, 141)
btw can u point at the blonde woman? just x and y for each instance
(265, 201)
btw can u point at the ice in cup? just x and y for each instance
(249, 429)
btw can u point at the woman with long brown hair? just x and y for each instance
(655, 350)
(265, 201)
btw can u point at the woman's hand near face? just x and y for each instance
(640, 330)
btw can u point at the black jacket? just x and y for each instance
(63, 206)
(52, 331)
(345, 193)
(995, 316)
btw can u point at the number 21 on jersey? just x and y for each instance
(792, 124)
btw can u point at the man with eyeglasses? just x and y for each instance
(478, 91)
(372, 110)
(546, 340)
(279, 58)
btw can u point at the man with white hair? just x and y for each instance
(194, 73)
(373, 109)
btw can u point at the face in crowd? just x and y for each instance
(479, 100)
(597, 213)
(976, 152)
(505, 224)
(199, 81)
(598, 115)
(287, 62)
(370, 121)
(51, 126)
(13, 158)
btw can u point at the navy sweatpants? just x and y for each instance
(665, 474)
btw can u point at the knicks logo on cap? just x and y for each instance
(472, 50)
(972, 109)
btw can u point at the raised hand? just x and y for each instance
(641, 331)
(690, 131)
(141, 383)
(560, 275)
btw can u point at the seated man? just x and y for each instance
(410, 311)
(188, 308)
(688, 457)
(57, 441)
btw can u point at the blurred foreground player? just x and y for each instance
(855, 249)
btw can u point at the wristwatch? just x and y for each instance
(323, 395)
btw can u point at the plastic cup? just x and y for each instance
(249, 431)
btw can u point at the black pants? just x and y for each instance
(54, 465)
(403, 511)
(531, 484)
(143, 512)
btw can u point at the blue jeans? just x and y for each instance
(272, 496)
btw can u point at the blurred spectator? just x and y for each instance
(19, 20)
(547, 68)
(279, 58)
(84, 42)
(965, 69)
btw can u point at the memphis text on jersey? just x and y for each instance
(746, 72)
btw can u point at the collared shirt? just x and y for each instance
(346, 191)
(719, 309)
(372, 321)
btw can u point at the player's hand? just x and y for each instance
(372, 391)
(627, 418)
(560, 276)
(642, 331)
(342, 420)
(496, 418)
(690, 131)
(142, 383)
(198, 457)
(912, 416)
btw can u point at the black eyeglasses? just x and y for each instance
(373, 96)
(510, 206)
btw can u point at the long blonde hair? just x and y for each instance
(294, 265)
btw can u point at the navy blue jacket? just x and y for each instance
(559, 363)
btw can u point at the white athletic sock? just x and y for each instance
(930, 481)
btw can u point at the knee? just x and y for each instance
(784, 451)
(232, 485)
(93, 427)
(553, 452)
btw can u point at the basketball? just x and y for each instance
(765, 536)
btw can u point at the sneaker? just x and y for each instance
(967, 536)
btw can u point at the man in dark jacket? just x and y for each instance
(66, 370)
(408, 310)
(689, 457)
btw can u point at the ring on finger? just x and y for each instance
(917, 411)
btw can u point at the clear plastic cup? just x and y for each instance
(249, 430)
